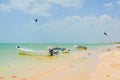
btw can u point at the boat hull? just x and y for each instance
(80, 47)
(23, 51)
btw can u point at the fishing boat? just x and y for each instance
(60, 50)
(27, 51)
(80, 47)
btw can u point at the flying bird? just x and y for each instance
(105, 33)
(36, 20)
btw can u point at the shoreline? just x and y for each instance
(108, 67)
(74, 66)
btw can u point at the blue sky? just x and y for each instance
(59, 21)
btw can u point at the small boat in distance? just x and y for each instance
(80, 47)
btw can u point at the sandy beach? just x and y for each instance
(86, 65)
(108, 67)
(59, 40)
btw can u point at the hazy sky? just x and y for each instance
(59, 21)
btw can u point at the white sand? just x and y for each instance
(108, 67)
(76, 66)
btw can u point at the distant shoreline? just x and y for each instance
(65, 43)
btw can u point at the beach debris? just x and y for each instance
(89, 54)
(24, 79)
(116, 66)
(99, 72)
(84, 58)
(71, 65)
(108, 49)
(1, 77)
(105, 33)
(107, 75)
(13, 76)
(36, 20)
(30, 69)
(118, 46)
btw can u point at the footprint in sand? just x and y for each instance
(89, 54)
(107, 75)
(1, 78)
(116, 66)
(13, 76)
(24, 79)
(71, 65)
(84, 58)
(108, 49)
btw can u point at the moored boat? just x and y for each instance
(80, 47)
(27, 51)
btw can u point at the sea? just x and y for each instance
(9, 54)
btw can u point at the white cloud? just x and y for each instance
(64, 23)
(40, 7)
(6, 8)
(28, 6)
(112, 4)
(109, 5)
(87, 28)
(118, 2)
(78, 23)
(68, 3)
(105, 19)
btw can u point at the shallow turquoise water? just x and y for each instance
(9, 54)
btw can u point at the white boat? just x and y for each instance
(80, 47)
(26, 51)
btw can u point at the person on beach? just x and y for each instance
(51, 51)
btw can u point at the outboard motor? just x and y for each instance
(18, 46)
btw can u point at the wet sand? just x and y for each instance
(108, 67)
(79, 65)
